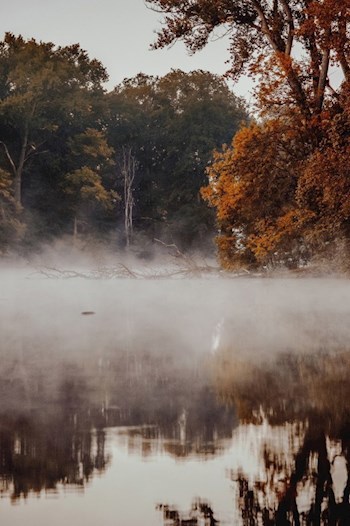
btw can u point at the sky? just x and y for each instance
(116, 32)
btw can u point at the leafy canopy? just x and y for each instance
(288, 44)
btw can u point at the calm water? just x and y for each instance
(206, 402)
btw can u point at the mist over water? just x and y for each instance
(97, 369)
(261, 316)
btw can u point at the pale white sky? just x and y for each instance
(117, 32)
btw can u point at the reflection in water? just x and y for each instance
(260, 443)
(56, 436)
(200, 513)
(40, 452)
(306, 480)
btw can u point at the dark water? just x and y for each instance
(103, 423)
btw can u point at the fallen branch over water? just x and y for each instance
(174, 264)
(121, 270)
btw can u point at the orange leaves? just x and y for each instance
(252, 186)
(282, 191)
(276, 238)
(289, 177)
(325, 185)
(227, 188)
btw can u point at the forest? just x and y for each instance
(124, 166)
(281, 188)
(180, 158)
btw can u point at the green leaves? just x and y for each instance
(51, 110)
(85, 185)
(90, 158)
(172, 124)
(92, 145)
(40, 82)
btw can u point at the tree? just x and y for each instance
(172, 124)
(279, 191)
(41, 87)
(90, 158)
(324, 188)
(253, 185)
(128, 170)
(288, 44)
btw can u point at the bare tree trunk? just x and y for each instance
(128, 172)
(75, 229)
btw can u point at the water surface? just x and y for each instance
(199, 400)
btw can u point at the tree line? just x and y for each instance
(281, 189)
(126, 164)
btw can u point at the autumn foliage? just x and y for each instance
(282, 193)
(253, 186)
(281, 189)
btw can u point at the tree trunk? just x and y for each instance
(75, 229)
(291, 75)
(128, 171)
(323, 77)
(17, 187)
(19, 170)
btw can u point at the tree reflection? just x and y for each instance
(56, 444)
(201, 513)
(53, 415)
(35, 458)
(297, 489)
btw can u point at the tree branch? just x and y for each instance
(34, 152)
(323, 75)
(264, 25)
(292, 77)
(334, 93)
(342, 30)
(344, 65)
(9, 158)
(289, 15)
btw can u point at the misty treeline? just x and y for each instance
(80, 161)
(281, 189)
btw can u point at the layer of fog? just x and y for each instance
(257, 317)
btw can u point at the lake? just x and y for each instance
(167, 402)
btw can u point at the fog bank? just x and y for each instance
(183, 316)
